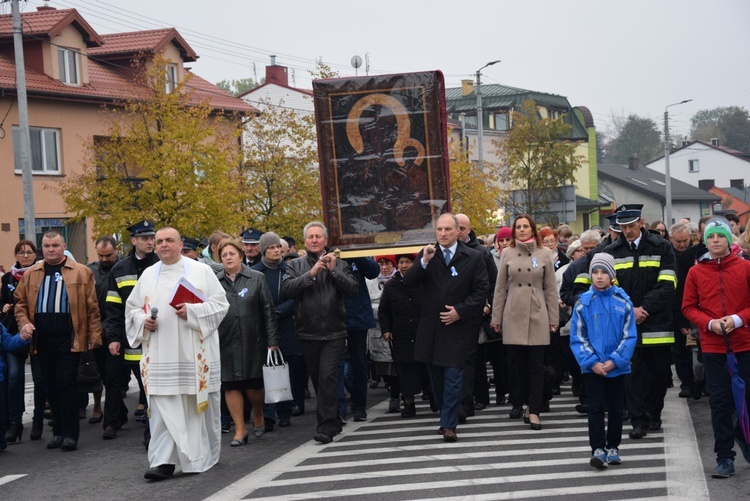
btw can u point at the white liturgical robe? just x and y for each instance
(180, 366)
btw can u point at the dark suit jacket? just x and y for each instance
(463, 284)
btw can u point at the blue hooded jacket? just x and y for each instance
(8, 343)
(603, 328)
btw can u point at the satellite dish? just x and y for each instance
(356, 62)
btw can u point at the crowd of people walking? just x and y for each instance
(610, 310)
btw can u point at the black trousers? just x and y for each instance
(323, 359)
(470, 369)
(115, 411)
(60, 370)
(527, 368)
(605, 393)
(719, 384)
(647, 385)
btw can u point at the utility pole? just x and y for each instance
(480, 124)
(667, 176)
(23, 121)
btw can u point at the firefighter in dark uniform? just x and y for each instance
(110, 366)
(251, 245)
(646, 270)
(123, 278)
(190, 247)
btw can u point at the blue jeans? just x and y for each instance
(447, 386)
(719, 385)
(16, 386)
(605, 393)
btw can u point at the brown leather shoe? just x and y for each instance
(449, 435)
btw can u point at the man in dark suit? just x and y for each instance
(454, 285)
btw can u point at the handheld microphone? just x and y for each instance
(154, 312)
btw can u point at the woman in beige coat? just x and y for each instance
(525, 310)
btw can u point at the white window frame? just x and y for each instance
(172, 78)
(40, 162)
(67, 74)
(694, 165)
(507, 120)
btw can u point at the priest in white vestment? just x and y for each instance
(180, 365)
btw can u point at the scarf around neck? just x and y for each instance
(17, 272)
(273, 264)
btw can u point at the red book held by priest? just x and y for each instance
(185, 292)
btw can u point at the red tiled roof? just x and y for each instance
(106, 84)
(143, 41)
(50, 23)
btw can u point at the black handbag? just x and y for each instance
(89, 380)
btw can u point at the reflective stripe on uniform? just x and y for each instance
(113, 297)
(133, 354)
(126, 281)
(668, 276)
(583, 278)
(660, 337)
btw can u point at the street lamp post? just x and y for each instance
(480, 125)
(667, 176)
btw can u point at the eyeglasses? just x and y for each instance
(25, 253)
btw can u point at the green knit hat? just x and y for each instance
(720, 225)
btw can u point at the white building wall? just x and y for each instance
(713, 164)
(653, 209)
(279, 95)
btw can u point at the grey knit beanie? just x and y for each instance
(603, 261)
(268, 239)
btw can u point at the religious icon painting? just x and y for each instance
(382, 143)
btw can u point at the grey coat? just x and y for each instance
(249, 327)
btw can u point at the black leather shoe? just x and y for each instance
(462, 415)
(55, 443)
(284, 422)
(638, 432)
(109, 433)
(297, 410)
(158, 473)
(268, 425)
(69, 444)
(323, 438)
(516, 412)
(686, 392)
(654, 425)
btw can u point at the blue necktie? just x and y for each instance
(447, 254)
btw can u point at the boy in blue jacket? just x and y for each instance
(603, 338)
(7, 343)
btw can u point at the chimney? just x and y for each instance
(277, 74)
(737, 183)
(685, 143)
(705, 184)
(467, 87)
(44, 7)
(633, 162)
(715, 141)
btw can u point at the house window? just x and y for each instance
(470, 121)
(501, 121)
(45, 150)
(67, 60)
(693, 166)
(171, 78)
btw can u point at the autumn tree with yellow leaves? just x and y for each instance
(538, 158)
(474, 191)
(166, 159)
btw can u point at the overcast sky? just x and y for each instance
(627, 56)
